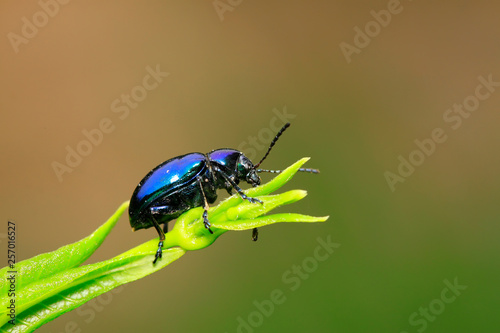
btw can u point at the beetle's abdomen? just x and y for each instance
(166, 185)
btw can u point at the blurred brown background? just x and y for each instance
(229, 68)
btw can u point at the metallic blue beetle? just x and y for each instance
(189, 181)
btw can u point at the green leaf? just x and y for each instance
(270, 219)
(50, 284)
(66, 257)
(48, 299)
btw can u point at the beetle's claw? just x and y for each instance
(206, 222)
(255, 200)
(255, 234)
(207, 226)
(157, 255)
(158, 252)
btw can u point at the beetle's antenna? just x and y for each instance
(272, 144)
(279, 171)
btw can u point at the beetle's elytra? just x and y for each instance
(192, 180)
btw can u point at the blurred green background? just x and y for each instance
(231, 70)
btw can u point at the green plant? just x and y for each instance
(51, 284)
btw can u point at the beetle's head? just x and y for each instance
(246, 171)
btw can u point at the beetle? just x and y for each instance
(192, 180)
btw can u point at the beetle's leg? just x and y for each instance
(205, 207)
(238, 189)
(160, 233)
(255, 231)
(255, 234)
